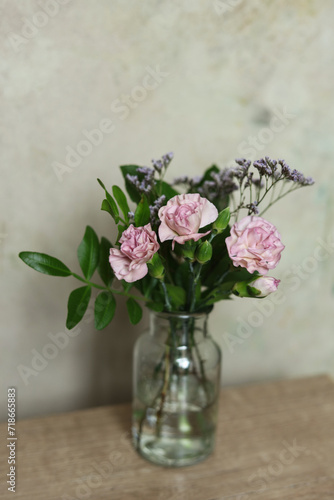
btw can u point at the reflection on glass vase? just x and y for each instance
(176, 390)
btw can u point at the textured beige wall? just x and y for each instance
(227, 68)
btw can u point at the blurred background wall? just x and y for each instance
(208, 80)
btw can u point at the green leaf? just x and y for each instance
(113, 206)
(104, 309)
(77, 305)
(45, 264)
(109, 205)
(166, 189)
(240, 275)
(148, 286)
(107, 208)
(130, 188)
(177, 295)
(220, 262)
(122, 201)
(217, 298)
(222, 292)
(215, 270)
(88, 252)
(104, 269)
(142, 213)
(134, 310)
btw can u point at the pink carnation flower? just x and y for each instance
(254, 244)
(183, 216)
(138, 245)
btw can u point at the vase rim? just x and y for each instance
(181, 314)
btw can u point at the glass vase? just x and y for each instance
(176, 390)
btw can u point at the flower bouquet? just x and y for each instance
(181, 247)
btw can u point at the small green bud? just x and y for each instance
(204, 252)
(222, 221)
(155, 267)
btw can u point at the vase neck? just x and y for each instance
(180, 326)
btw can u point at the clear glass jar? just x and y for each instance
(176, 390)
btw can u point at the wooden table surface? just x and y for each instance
(275, 442)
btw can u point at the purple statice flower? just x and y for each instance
(241, 171)
(195, 181)
(243, 162)
(180, 180)
(249, 179)
(145, 184)
(163, 163)
(158, 165)
(154, 209)
(207, 190)
(225, 183)
(271, 163)
(133, 179)
(308, 181)
(253, 208)
(167, 158)
(285, 169)
(191, 182)
(294, 175)
(144, 187)
(264, 167)
(148, 172)
(131, 216)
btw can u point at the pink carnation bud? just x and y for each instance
(266, 285)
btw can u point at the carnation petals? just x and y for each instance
(138, 245)
(183, 216)
(255, 244)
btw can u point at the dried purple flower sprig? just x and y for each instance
(154, 209)
(221, 184)
(271, 172)
(241, 177)
(161, 165)
(146, 184)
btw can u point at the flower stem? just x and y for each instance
(195, 283)
(279, 197)
(117, 292)
(164, 389)
(167, 301)
(191, 285)
(268, 189)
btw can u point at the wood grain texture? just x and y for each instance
(275, 442)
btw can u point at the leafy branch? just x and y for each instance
(92, 255)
